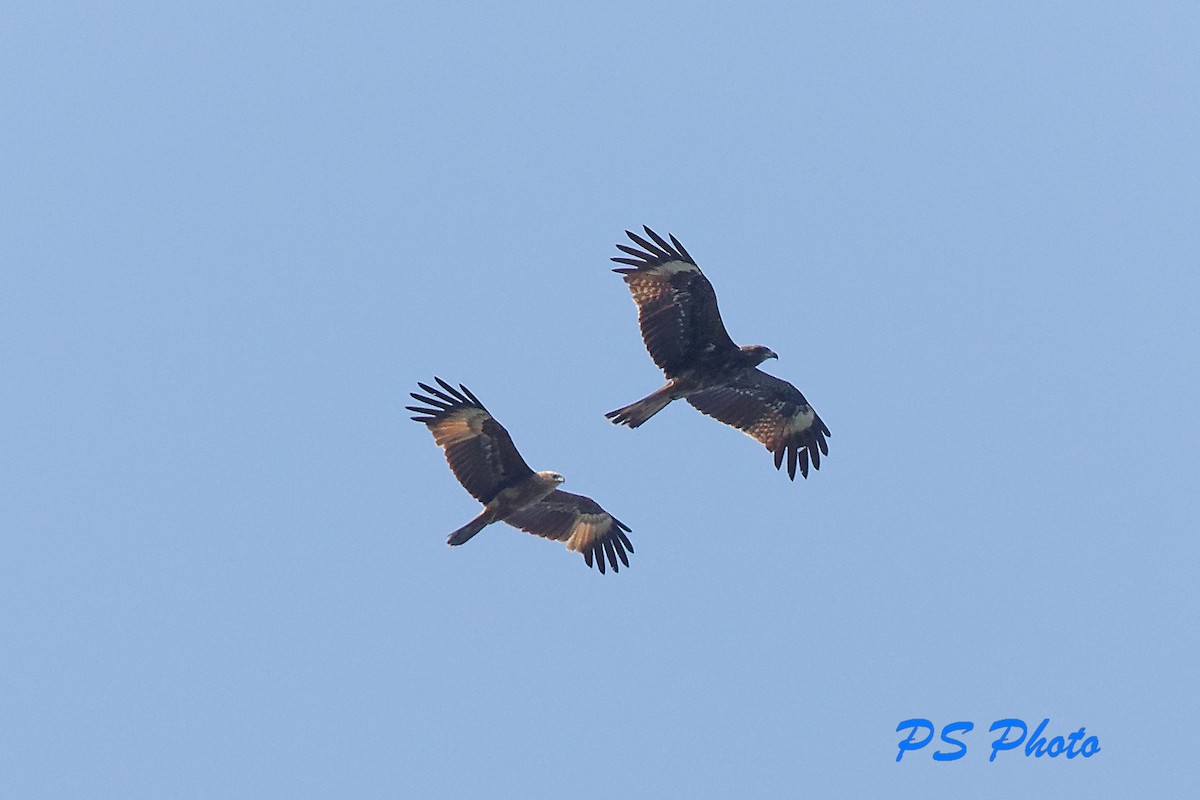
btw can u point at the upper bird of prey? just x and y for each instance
(682, 329)
(483, 458)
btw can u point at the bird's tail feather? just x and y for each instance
(473, 527)
(635, 414)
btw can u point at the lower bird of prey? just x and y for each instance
(683, 331)
(483, 458)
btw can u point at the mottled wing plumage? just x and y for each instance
(580, 523)
(478, 448)
(772, 411)
(677, 307)
(483, 458)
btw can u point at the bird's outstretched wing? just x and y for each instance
(580, 523)
(478, 448)
(677, 307)
(772, 411)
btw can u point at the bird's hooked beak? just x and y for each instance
(772, 354)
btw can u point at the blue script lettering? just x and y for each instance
(1037, 743)
(1073, 740)
(1002, 741)
(1037, 746)
(953, 727)
(908, 743)
(1011, 734)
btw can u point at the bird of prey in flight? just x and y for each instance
(483, 458)
(683, 331)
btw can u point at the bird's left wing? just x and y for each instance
(772, 411)
(580, 523)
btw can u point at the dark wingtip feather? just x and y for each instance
(454, 393)
(429, 401)
(661, 242)
(682, 252)
(470, 396)
(429, 412)
(612, 556)
(618, 545)
(648, 247)
(625, 540)
(445, 398)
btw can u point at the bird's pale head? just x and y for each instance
(756, 353)
(553, 477)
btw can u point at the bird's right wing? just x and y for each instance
(478, 448)
(677, 307)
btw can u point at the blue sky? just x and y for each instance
(235, 236)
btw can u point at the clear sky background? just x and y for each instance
(235, 235)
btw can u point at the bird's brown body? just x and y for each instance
(684, 334)
(483, 457)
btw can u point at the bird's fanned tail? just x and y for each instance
(635, 414)
(464, 534)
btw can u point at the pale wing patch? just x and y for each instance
(648, 283)
(672, 268)
(774, 428)
(802, 420)
(459, 426)
(585, 531)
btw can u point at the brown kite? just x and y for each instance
(682, 330)
(483, 458)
